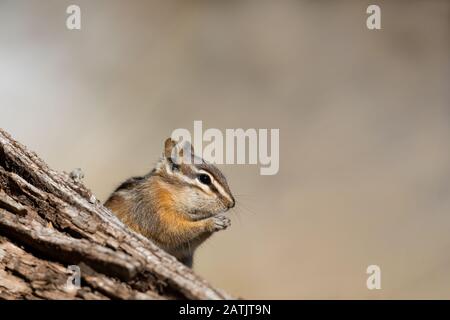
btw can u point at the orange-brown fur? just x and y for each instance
(170, 207)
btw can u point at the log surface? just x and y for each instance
(49, 222)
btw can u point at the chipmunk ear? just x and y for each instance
(169, 144)
(186, 147)
(184, 152)
(178, 152)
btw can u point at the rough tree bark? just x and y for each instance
(49, 221)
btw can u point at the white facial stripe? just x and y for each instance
(198, 183)
(169, 168)
(222, 190)
(217, 185)
(203, 186)
(187, 179)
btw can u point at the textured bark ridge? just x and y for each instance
(49, 222)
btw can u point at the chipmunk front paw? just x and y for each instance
(220, 222)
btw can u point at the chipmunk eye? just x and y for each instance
(205, 179)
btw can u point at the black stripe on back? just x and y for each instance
(130, 183)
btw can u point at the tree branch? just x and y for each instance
(49, 221)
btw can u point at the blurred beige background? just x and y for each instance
(364, 120)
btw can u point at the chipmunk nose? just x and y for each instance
(232, 203)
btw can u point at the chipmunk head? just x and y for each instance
(201, 188)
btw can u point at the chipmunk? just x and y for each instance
(178, 205)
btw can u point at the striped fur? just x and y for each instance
(171, 206)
